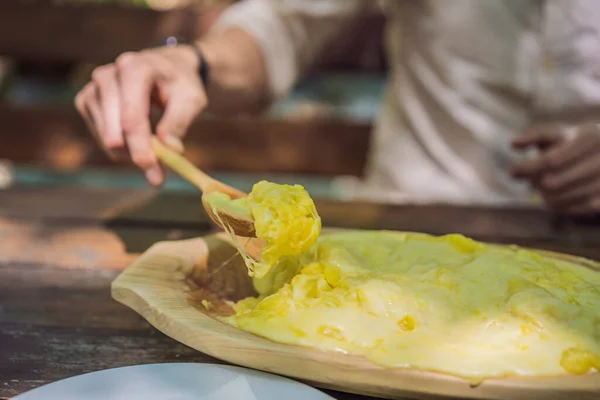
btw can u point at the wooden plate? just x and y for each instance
(168, 282)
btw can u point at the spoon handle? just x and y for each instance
(190, 172)
(181, 165)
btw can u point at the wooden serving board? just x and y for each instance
(167, 284)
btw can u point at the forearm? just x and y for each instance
(238, 81)
(257, 49)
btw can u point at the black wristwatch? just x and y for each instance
(203, 68)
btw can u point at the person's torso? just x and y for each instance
(467, 76)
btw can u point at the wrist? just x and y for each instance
(193, 54)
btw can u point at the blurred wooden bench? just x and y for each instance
(57, 138)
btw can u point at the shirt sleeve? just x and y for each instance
(291, 32)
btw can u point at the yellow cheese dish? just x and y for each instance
(284, 216)
(446, 304)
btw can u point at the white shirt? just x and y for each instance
(466, 77)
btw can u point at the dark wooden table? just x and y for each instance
(61, 247)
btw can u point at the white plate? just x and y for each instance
(175, 381)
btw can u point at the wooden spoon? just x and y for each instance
(241, 226)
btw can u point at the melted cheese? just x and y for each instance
(446, 304)
(285, 218)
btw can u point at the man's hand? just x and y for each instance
(116, 104)
(567, 170)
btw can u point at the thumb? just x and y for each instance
(182, 107)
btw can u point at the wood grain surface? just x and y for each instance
(45, 30)
(62, 141)
(61, 247)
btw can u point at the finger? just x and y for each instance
(183, 105)
(155, 175)
(574, 195)
(591, 205)
(572, 151)
(576, 175)
(540, 136)
(81, 106)
(86, 103)
(95, 111)
(92, 109)
(135, 82)
(84, 98)
(559, 156)
(105, 78)
(530, 168)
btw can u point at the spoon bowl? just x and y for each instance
(240, 225)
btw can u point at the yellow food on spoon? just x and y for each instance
(284, 216)
(446, 304)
